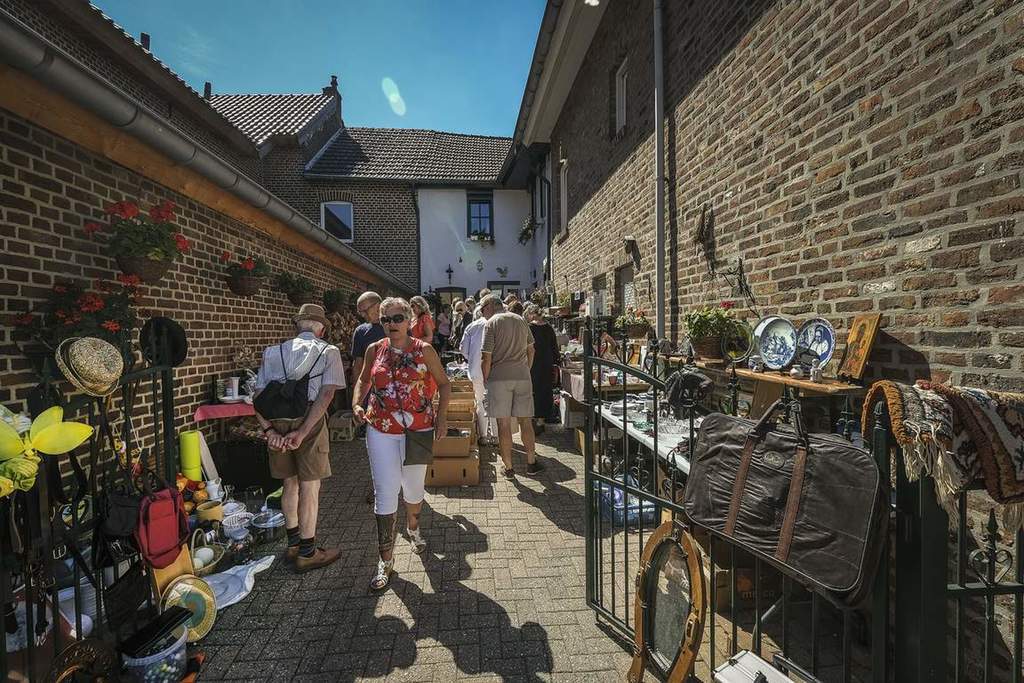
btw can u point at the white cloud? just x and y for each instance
(196, 53)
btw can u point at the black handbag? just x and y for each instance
(419, 447)
(122, 599)
(286, 398)
(117, 510)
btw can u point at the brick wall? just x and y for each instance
(858, 156)
(50, 187)
(384, 213)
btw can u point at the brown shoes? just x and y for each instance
(321, 558)
(291, 553)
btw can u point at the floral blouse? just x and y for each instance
(401, 390)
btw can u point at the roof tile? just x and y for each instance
(261, 116)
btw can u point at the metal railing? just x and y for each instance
(922, 621)
(46, 547)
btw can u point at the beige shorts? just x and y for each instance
(508, 398)
(310, 461)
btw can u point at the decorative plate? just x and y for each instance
(819, 337)
(88, 659)
(737, 341)
(777, 343)
(226, 587)
(194, 594)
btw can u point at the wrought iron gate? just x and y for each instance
(46, 574)
(929, 619)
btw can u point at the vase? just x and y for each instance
(245, 285)
(708, 348)
(299, 298)
(150, 271)
(637, 331)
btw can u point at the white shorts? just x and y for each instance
(390, 474)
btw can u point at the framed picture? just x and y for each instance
(858, 345)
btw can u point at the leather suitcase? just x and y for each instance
(812, 505)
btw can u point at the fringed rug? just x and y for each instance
(958, 436)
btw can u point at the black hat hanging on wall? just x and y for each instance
(163, 342)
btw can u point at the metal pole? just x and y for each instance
(659, 173)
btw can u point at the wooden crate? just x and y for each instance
(453, 446)
(454, 471)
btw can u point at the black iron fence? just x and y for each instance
(51, 590)
(948, 598)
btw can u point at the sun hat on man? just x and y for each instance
(314, 312)
(93, 365)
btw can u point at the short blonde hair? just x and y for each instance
(420, 303)
(459, 307)
(393, 302)
(532, 311)
(373, 297)
(470, 302)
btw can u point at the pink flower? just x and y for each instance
(111, 325)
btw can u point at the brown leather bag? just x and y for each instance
(812, 505)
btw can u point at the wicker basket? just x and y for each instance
(708, 348)
(218, 552)
(299, 298)
(150, 271)
(245, 285)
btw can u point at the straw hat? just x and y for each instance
(92, 365)
(312, 312)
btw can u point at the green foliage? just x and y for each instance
(288, 283)
(708, 321)
(72, 311)
(632, 317)
(334, 298)
(152, 235)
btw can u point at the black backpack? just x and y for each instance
(286, 398)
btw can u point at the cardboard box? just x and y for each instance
(454, 471)
(571, 411)
(461, 415)
(453, 446)
(581, 439)
(462, 385)
(464, 424)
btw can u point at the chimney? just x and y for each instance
(207, 90)
(332, 88)
(144, 39)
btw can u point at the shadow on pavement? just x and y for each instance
(477, 631)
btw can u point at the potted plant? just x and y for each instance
(145, 245)
(563, 309)
(334, 300)
(481, 236)
(705, 326)
(245, 275)
(71, 310)
(298, 288)
(634, 322)
(527, 230)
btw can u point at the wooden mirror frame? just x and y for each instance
(669, 532)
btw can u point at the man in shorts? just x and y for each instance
(506, 357)
(300, 447)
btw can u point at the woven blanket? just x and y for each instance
(958, 436)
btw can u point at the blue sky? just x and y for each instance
(455, 65)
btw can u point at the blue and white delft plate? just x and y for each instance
(819, 337)
(776, 342)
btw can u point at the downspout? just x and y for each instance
(419, 238)
(25, 51)
(659, 172)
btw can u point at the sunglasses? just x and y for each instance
(396, 319)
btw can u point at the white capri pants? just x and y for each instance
(485, 425)
(390, 475)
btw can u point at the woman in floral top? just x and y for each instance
(401, 380)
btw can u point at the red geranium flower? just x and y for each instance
(90, 303)
(183, 244)
(111, 325)
(225, 256)
(60, 289)
(163, 212)
(125, 210)
(727, 305)
(60, 313)
(248, 264)
(129, 280)
(91, 228)
(24, 320)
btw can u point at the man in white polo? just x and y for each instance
(506, 357)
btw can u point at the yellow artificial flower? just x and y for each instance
(49, 434)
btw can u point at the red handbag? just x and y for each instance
(163, 524)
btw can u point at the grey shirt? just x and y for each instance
(300, 355)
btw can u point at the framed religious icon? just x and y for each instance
(859, 341)
(670, 605)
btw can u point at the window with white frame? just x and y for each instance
(620, 98)
(338, 219)
(563, 196)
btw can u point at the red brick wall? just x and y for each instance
(862, 155)
(49, 187)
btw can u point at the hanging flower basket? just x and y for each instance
(708, 348)
(299, 298)
(245, 285)
(150, 271)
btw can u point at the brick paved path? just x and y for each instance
(499, 594)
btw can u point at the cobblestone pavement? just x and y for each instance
(498, 595)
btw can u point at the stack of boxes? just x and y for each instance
(456, 460)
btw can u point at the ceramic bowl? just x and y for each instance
(210, 511)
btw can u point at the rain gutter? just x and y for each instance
(26, 51)
(659, 171)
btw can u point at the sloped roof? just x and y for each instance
(411, 154)
(263, 116)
